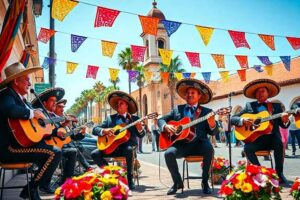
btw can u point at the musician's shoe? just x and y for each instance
(205, 188)
(34, 194)
(294, 153)
(283, 180)
(47, 190)
(174, 188)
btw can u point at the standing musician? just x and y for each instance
(13, 105)
(261, 90)
(125, 106)
(195, 93)
(49, 98)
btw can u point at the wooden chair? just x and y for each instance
(193, 159)
(264, 153)
(13, 166)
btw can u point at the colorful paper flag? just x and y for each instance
(165, 77)
(105, 17)
(45, 35)
(219, 59)
(186, 75)
(205, 33)
(71, 66)
(265, 60)
(138, 53)
(148, 76)
(133, 75)
(76, 42)
(170, 26)
(61, 8)
(113, 73)
(193, 74)
(242, 74)
(149, 24)
(258, 68)
(286, 62)
(193, 58)
(108, 48)
(178, 75)
(166, 56)
(243, 61)
(294, 42)
(206, 77)
(238, 39)
(224, 76)
(92, 71)
(268, 40)
(48, 61)
(269, 69)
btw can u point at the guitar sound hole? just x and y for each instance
(116, 132)
(41, 122)
(179, 129)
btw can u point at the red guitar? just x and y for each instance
(183, 126)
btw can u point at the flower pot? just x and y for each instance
(217, 178)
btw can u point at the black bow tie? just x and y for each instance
(124, 119)
(262, 104)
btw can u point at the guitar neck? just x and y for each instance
(276, 116)
(201, 119)
(53, 120)
(132, 124)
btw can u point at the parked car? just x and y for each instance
(87, 145)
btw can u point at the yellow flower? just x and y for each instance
(106, 196)
(57, 191)
(263, 170)
(238, 185)
(113, 181)
(88, 195)
(241, 176)
(247, 187)
(221, 164)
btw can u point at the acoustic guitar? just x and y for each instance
(261, 125)
(31, 131)
(108, 143)
(66, 139)
(183, 129)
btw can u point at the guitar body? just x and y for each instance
(248, 134)
(58, 142)
(297, 120)
(166, 140)
(108, 144)
(29, 132)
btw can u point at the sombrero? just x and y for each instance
(56, 92)
(63, 101)
(272, 87)
(16, 70)
(184, 84)
(115, 96)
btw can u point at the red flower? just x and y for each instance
(253, 169)
(227, 190)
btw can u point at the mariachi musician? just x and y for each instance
(125, 106)
(195, 93)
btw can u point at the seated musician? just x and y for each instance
(195, 93)
(125, 106)
(261, 90)
(49, 98)
(13, 105)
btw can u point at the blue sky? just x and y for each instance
(274, 17)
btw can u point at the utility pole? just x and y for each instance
(52, 55)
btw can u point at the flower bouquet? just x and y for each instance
(295, 190)
(251, 182)
(104, 183)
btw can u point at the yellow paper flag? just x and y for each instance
(224, 75)
(269, 69)
(166, 56)
(71, 67)
(205, 33)
(113, 73)
(108, 48)
(60, 8)
(148, 76)
(178, 75)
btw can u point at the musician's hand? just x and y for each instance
(60, 133)
(83, 130)
(247, 121)
(108, 131)
(170, 128)
(285, 117)
(38, 114)
(139, 126)
(66, 123)
(211, 122)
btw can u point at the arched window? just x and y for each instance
(147, 50)
(160, 44)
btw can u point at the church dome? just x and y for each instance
(154, 12)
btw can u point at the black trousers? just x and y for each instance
(123, 150)
(195, 147)
(44, 156)
(295, 134)
(69, 157)
(266, 142)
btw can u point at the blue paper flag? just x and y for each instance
(133, 75)
(48, 61)
(206, 76)
(186, 75)
(76, 42)
(258, 68)
(265, 60)
(286, 62)
(170, 26)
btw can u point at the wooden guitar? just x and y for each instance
(66, 139)
(32, 131)
(108, 143)
(261, 125)
(183, 129)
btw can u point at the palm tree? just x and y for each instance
(125, 60)
(174, 67)
(98, 87)
(104, 94)
(140, 83)
(89, 95)
(115, 82)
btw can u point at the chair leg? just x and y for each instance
(183, 173)
(187, 174)
(3, 178)
(27, 178)
(271, 159)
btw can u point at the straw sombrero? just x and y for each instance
(184, 84)
(272, 87)
(16, 70)
(56, 92)
(115, 96)
(63, 101)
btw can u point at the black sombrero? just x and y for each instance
(115, 96)
(56, 92)
(184, 84)
(272, 87)
(62, 101)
